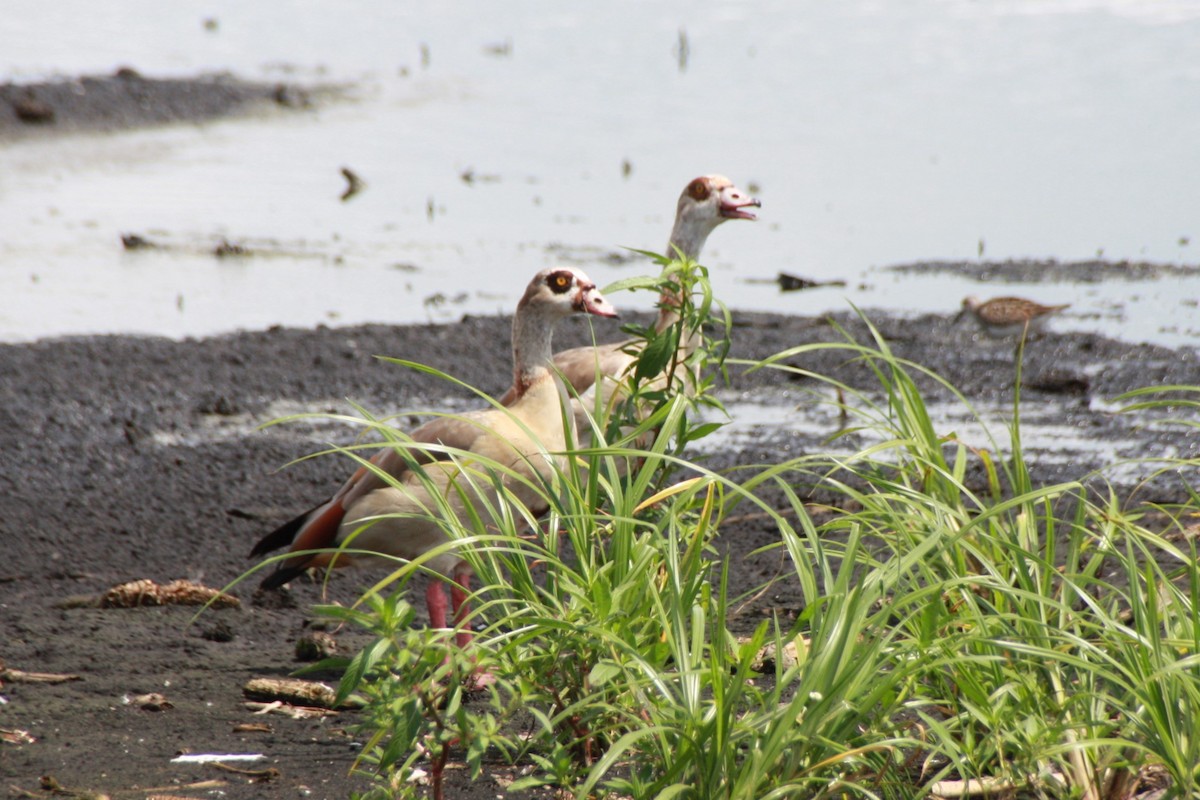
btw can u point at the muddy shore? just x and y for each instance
(130, 458)
(141, 458)
(127, 99)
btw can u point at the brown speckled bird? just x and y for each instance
(1007, 316)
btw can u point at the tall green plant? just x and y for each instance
(1036, 668)
(952, 637)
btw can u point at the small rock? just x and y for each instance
(133, 241)
(219, 632)
(765, 659)
(219, 405)
(33, 111)
(794, 283)
(151, 702)
(354, 184)
(1057, 381)
(315, 646)
(226, 249)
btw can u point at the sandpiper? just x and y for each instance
(1006, 316)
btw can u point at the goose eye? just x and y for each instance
(698, 189)
(560, 281)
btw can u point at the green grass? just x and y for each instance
(952, 635)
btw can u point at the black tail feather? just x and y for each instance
(282, 575)
(284, 534)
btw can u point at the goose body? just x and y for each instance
(403, 517)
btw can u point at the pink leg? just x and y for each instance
(459, 590)
(435, 600)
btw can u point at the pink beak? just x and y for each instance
(734, 203)
(590, 301)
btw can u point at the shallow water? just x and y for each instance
(1048, 436)
(874, 133)
(1055, 435)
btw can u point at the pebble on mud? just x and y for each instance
(316, 646)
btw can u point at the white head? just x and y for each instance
(705, 203)
(552, 294)
(561, 291)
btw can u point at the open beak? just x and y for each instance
(735, 202)
(590, 301)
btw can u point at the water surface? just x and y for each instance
(875, 134)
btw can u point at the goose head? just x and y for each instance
(562, 291)
(553, 294)
(705, 203)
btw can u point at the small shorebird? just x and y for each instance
(1006, 316)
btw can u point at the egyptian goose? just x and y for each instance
(705, 203)
(1007, 316)
(401, 519)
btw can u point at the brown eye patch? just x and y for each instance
(698, 189)
(560, 281)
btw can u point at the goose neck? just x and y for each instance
(532, 348)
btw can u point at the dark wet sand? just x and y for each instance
(132, 458)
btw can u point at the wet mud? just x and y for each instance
(129, 458)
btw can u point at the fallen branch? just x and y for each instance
(293, 690)
(270, 773)
(288, 710)
(20, 676)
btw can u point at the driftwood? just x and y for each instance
(16, 736)
(257, 775)
(294, 691)
(20, 676)
(146, 592)
(175, 593)
(289, 710)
